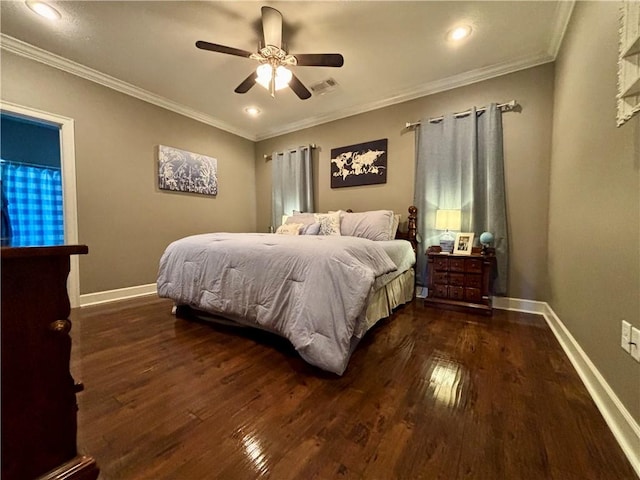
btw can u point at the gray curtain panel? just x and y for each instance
(460, 165)
(292, 183)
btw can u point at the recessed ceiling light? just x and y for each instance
(459, 33)
(253, 111)
(44, 10)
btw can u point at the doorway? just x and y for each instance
(63, 127)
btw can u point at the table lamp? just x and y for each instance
(448, 220)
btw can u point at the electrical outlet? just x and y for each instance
(635, 344)
(626, 336)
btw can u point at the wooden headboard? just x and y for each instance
(412, 228)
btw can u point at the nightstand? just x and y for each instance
(461, 282)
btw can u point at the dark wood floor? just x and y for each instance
(428, 394)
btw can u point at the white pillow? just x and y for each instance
(374, 225)
(329, 223)
(394, 226)
(290, 229)
(304, 218)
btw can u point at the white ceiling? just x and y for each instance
(393, 51)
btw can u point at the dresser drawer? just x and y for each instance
(456, 264)
(473, 295)
(473, 281)
(456, 293)
(457, 279)
(441, 263)
(440, 277)
(440, 291)
(473, 265)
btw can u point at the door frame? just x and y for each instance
(68, 171)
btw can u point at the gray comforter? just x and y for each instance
(312, 290)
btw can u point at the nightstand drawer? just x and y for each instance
(456, 293)
(441, 263)
(473, 265)
(441, 277)
(456, 264)
(456, 279)
(472, 295)
(473, 281)
(440, 291)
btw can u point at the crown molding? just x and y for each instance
(29, 51)
(563, 15)
(430, 88)
(26, 50)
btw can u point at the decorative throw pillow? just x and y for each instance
(290, 229)
(311, 229)
(374, 225)
(329, 223)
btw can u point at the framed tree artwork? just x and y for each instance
(183, 171)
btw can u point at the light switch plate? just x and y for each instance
(635, 349)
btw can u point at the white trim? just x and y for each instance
(26, 50)
(68, 171)
(118, 294)
(31, 52)
(423, 90)
(563, 13)
(623, 426)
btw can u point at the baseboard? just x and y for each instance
(623, 426)
(118, 294)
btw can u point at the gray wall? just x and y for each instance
(527, 140)
(122, 216)
(594, 224)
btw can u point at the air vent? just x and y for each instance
(324, 87)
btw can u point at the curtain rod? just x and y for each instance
(27, 164)
(505, 107)
(269, 157)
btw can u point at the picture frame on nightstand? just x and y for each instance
(463, 244)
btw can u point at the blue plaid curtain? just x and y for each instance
(34, 195)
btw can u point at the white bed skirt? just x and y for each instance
(395, 293)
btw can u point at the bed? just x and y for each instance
(322, 292)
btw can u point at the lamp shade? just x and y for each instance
(448, 219)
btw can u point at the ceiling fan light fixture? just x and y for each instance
(265, 71)
(44, 10)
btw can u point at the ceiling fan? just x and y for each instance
(273, 72)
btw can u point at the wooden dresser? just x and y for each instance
(461, 282)
(38, 393)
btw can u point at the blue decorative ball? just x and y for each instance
(486, 238)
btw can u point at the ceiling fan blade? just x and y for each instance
(214, 47)
(248, 82)
(319, 59)
(272, 27)
(299, 89)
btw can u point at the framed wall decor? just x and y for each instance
(361, 164)
(183, 171)
(463, 244)
(629, 61)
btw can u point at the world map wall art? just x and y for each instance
(183, 171)
(361, 164)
